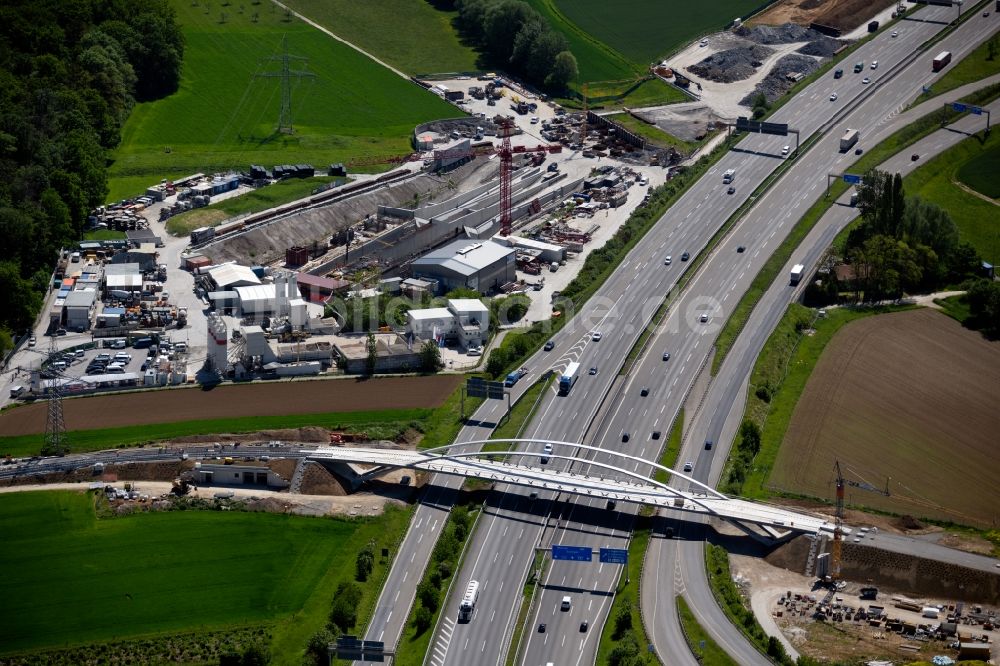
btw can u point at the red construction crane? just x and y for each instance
(506, 153)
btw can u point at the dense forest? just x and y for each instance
(70, 73)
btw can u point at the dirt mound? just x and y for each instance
(777, 34)
(732, 64)
(822, 47)
(845, 15)
(777, 83)
(316, 480)
(304, 434)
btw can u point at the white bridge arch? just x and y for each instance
(636, 488)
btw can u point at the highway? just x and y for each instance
(501, 550)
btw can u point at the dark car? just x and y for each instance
(914, 157)
(859, 150)
(593, 370)
(549, 346)
(666, 356)
(741, 249)
(656, 434)
(625, 436)
(541, 628)
(685, 256)
(583, 627)
(731, 190)
(708, 445)
(611, 505)
(644, 392)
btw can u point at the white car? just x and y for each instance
(688, 466)
(833, 97)
(866, 80)
(32, 341)
(596, 336)
(703, 318)
(534, 120)
(874, 64)
(895, 34)
(703, 42)
(668, 260)
(785, 149)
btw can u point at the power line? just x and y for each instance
(286, 74)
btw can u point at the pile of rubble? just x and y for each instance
(732, 64)
(822, 46)
(777, 82)
(778, 34)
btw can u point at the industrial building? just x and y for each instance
(78, 307)
(392, 354)
(239, 475)
(484, 266)
(228, 276)
(465, 321)
(123, 278)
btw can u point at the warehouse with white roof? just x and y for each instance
(481, 265)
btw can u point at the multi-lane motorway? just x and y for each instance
(602, 407)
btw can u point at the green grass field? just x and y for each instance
(223, 118)
(979, 172)
(702, 644)
(74, 579)
(423, 41)
(385, 424)
(261, 199)
(645, 30)
(652, 133)
(936, 181)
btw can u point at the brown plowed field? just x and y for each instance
(912, 396)
(845, 15)
(221, 402)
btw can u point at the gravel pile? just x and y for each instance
(777, 34)
(776, 83)
(731, 65)
(822, 46)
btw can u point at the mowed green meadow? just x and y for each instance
(940, 179)
(71, 578)
(646, 30)
(224, 116)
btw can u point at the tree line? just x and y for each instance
(70, 73)
(511, 35)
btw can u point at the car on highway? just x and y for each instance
(838, 73)
(685, 256)
(596, 336)
(731, 190)
(688, 466)
(703, 318)
(541, 628)
(593, 370)
(644, 392)
(866, 80)
(914, 157)
(895, 34)
(985, 14)
(668, 260)
(549, 346)
(874, 64)
(859, 150)
(708, 445)
(741, 249)
(625, 436)
(666, 356)
(655, 434)
(583, 627)
(785, 149)
(546, 452)
(833, 97)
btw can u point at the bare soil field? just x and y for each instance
(911, 396)
(234, 401)
(842, 14)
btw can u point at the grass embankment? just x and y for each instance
(424, 40)
(893, 144)
(520, 415)
(705, 649)
(653, 134)
(672, 449)
(441, 426)
(623, 634)
(75, 579)
(224, 116)
(252, 202)
(951, 181)
(388, 424)
(433, 588)
(956, 307)
(599, 266)
(731, 600)
(974, 67)
(778, 379)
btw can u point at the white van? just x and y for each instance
(114, 369)
(565, 604)
(59, 365)
(729, 176)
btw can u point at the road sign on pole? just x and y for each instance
(614, 556)
(852, 178)
(573, 553)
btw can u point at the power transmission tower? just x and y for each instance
(286, 74)
(55, 425)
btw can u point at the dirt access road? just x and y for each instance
(234, 401)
